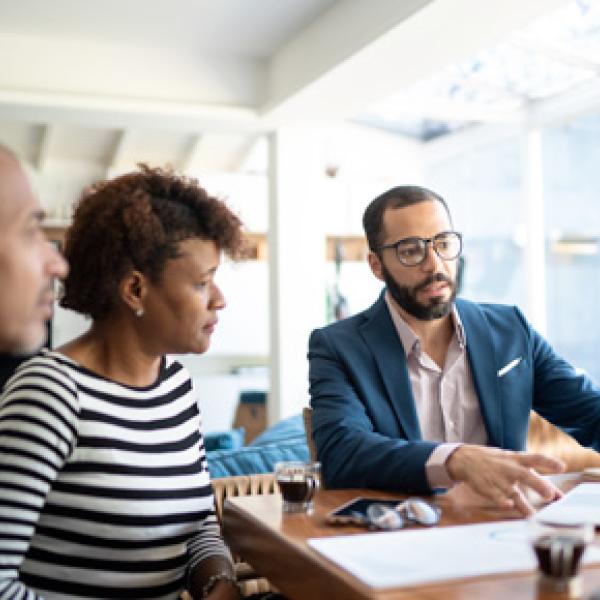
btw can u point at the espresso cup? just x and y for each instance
(559, 548)
(298, 482)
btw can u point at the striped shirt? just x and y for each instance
(104, 488)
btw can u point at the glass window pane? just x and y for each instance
(482, 186)
(571, 156)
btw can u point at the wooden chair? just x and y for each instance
(307, 416)
(546, 438)
(243, 485)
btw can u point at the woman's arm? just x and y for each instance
(211, 572)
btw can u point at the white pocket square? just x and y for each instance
(509, 367)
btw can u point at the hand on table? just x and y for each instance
(223, 590)
(504, 477)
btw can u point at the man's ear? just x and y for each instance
(375, 264)
(133, 289)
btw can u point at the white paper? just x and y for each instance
(415, 557)
(580, 505)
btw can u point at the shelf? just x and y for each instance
(258, 246)
(353, 247)
(55, 231)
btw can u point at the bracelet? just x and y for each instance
(214, 579)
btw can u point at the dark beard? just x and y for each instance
(406, 297)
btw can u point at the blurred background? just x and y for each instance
(298, 113)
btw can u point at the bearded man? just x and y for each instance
(424, 390)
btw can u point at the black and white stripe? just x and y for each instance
(104, 488)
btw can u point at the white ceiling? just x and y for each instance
(195, 82)
(252, 29)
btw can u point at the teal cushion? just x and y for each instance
(288, 429)
(224, 440)
(255, 459)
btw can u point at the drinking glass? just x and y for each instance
(559, 547)
(298, 482)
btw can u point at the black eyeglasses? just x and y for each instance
(412, 251)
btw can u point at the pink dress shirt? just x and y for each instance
(445, 398)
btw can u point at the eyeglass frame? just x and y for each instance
(424, 241)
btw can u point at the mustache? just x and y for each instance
(434, 278)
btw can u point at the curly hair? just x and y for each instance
(136, 221)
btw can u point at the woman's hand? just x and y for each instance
(224, 590)
(214, 579)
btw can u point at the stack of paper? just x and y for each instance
(415, 557)
(580, 505)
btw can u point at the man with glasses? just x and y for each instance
(423, 390)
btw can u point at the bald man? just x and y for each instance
(28, 263)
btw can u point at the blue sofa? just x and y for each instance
(284, 441)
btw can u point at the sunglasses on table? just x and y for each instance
(413, 510)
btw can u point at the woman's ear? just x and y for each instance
(133, 289)
(375, 264)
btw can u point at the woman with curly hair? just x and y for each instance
(104, 487)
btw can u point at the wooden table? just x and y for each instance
(276, 546)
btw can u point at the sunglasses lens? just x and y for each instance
(421, 512)
(384, 517)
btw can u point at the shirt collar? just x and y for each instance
(410, 340)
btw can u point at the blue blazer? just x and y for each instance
(365, 424)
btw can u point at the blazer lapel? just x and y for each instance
(482, 358)
(382, 338)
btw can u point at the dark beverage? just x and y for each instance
(296, 490)
(298, 482)
(559, 556)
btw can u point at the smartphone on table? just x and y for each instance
(354, 512)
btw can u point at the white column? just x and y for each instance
(535, 251)
(296, 265)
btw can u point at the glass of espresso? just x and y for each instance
(298, 482)
(559, 548)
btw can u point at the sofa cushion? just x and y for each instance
(224, 440)
(255, 459)
(283, 441)
(288, 429)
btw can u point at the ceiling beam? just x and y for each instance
(43, 148)
(125, 113)
(450, 110)
(115, 156)
(355, 56)
(190, 154)
(244, 153)
(565, 107)
(556, 53)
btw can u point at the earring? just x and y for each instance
(139, 312)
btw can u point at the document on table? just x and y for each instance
(581, 504)
(415, 557)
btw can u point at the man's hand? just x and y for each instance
(503, 476)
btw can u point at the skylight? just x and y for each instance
(552, 56)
